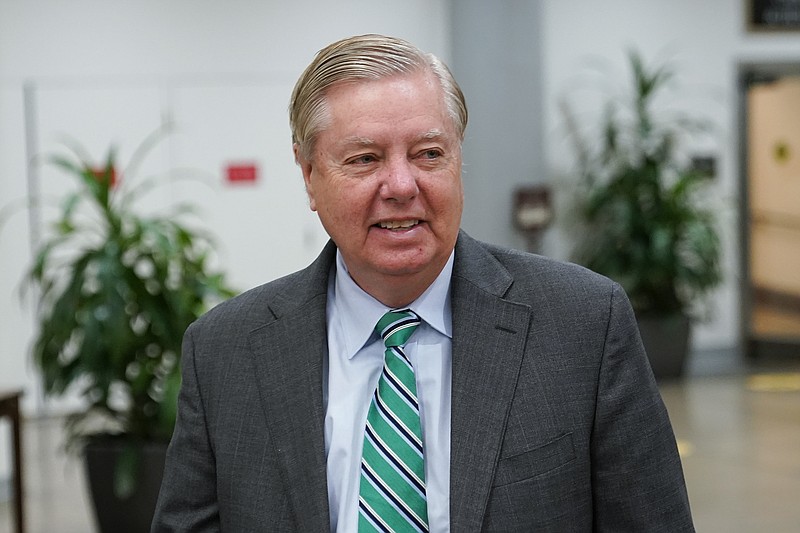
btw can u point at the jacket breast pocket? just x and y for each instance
(535, 462)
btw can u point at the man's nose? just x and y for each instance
(400, 181)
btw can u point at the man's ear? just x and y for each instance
(306, 167)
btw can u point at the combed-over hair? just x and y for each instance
(363, 57)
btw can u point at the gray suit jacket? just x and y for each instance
(557, 424)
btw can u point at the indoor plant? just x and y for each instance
(116, 291)
(643, 213)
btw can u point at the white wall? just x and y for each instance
(705, 42)
(131, 63)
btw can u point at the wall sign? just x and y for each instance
(241, 172)
(773, 15)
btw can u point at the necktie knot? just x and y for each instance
(395, 327)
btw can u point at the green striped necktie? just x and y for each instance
(392, 489)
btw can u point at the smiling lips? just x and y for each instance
(398, 224)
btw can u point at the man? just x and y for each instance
(530, 404)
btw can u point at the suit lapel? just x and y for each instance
(289, 354)
(489, 336)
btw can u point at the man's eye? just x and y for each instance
(431, 154)
(362, 160)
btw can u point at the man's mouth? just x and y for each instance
(398, 224)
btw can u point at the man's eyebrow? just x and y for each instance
(430, 135)
(357, 141)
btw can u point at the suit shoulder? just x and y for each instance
(571, 295)
(527, 268)
(260, 305)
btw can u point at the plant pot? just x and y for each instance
(666, 340)
(134, 513)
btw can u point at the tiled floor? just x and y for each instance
(56, 497)
(741, 452)
(739, 430)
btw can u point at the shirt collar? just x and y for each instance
(359, 312)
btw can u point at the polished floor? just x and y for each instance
(738, 427)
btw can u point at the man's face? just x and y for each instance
(385, 180)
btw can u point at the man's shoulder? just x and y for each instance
(529, 268)
(568, 290)
(265, 303)
(524, 264)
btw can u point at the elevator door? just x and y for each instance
(773, 189)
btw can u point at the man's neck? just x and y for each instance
(397, 291)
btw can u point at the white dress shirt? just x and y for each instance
(354, 365)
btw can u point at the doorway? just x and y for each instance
(771, 210)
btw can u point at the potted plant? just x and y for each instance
(644, 216)
(116, 291)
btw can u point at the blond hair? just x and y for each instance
(363, 57)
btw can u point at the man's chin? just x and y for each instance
(400, 265)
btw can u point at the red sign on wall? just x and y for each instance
(241, 173)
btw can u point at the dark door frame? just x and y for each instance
(750, 73)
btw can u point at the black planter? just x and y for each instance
(134, 513)
(666, 340)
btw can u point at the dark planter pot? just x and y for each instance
(134, 513)
(666, 340)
